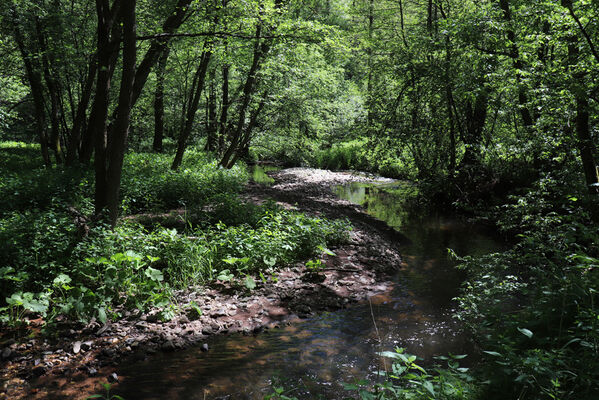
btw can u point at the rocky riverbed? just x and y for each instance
(74, 362)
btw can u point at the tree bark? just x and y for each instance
(514, 53)
(37, 90)
(159, 102)
(121, 126)
(260, 50)
(74, 147)
(211, 122)
(193, 105)
(99, 114)
(53, 93)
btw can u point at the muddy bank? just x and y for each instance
(73, 363)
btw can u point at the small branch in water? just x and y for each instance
(342, 270)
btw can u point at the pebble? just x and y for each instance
(87, 345)
(76, 347)
(6, 353)
(92, 371)
(113, 377)
(204, 347)
(102, 330)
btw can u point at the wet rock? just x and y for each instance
(113, 378)
(102, 330)
(6, 353)
(168, 346)
(87, 345)
(204, 347)
(76, 347)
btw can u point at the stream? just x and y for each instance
(311, 358)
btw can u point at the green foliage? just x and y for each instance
(409, 381)
(47, 268)
(534, 307)
(148, 183)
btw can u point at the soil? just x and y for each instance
(73, 363)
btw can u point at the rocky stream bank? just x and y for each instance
(73, 363)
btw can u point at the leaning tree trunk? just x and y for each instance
(193, 105)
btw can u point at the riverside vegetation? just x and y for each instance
(124, 125)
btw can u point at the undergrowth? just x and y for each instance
(55, 261)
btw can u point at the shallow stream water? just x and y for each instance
(312, 358)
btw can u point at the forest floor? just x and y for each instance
(75, 361)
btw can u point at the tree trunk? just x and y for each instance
(527, 118)
(37, 90)
(53, 92)
(260, 50)
(99, 114)
(159, 103)
(74, 147)
(211, 122)
(193, 105)
(121, 126)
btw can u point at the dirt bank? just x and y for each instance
(73, 363)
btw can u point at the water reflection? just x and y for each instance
(315, 356)
(259, 174)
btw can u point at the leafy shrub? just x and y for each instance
(149, 184)
(534, 308)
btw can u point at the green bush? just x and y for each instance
(534, 308)
(148, 183)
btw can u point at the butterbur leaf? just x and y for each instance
(250, 283)
(102, 315)
(154, 274)
(525, 332)
(62, 279)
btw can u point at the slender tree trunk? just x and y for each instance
(37, 91)
(586, 147)
(527, 118)
(121, 126)
(74, 147)
(245, 141)
(370, 96)
(475, 115)
(260, 50)
(159, 103)
(224, 111)
(211, 122)
(193, 105)
(53, 93)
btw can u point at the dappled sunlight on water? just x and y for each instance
(315, 356)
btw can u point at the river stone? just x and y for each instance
(168, 346)
(6, 353)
